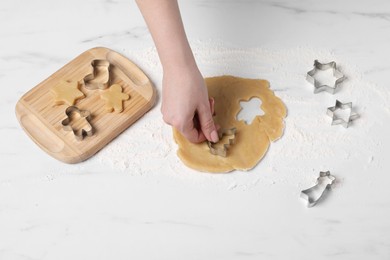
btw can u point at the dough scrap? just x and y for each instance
(114, 98)
(67, 92)
(252, 140)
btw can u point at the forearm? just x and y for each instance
(185, 104)
(166, 26)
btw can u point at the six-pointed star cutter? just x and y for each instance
(318, 87)
(338, 120)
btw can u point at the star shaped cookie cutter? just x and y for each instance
(66, 123)
(318, 87)
(222, 151)
(315, 193)
(337, 120)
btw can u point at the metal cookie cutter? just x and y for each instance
(99, 78)
(324, 66)
(85, 115)
(222, 151)
(314, 194)
(336, 120)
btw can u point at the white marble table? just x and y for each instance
(135, 200)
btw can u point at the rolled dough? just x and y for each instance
(252, 140)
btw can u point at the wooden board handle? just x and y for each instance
(141, 82)
(38, 131)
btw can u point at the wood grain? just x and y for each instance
(41, 118)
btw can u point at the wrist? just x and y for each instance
(181, 66)
(179, 61)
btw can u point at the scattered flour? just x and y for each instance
(309, 144)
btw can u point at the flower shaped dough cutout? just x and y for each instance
(114, 98)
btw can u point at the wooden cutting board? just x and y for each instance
(41, 118)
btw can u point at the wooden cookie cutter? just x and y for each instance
(100, 77)
(66, 123)
(222, 151)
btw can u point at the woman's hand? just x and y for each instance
(186, 105)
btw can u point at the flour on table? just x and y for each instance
(309, 145)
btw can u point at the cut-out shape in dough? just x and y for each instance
(67, 92)
(100, 75)
(253, 140)
(114, 98)
(249, 110)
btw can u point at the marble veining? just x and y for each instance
(139, 202)
(135, 33)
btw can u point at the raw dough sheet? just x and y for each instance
(252, 140)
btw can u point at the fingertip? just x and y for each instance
(207, 125)
(214, 136)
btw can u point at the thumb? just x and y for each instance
(207, 124)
